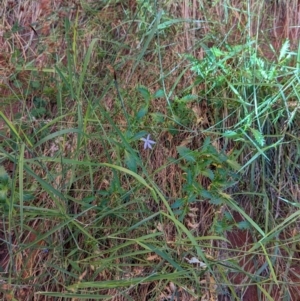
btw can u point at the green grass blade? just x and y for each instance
(44, 236)
(150, 34)
(85, 65)
(237, 208)
(14, 130)
(270, 264)
(192, 239)
(21, 186)
(110, 284)
(57, 134)
(75, 296)
(162, 254)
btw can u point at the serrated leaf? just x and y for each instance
(284, 49)
(145, 93)
(206, 143)
(243, 225)
(192, 198)
(226, 196)
(228, 216)
(142, 112)
(178, 203)
(178, 212)
(217, 52)
(222, 226)
(215, 201)
(230, 134)
(233, 164)
(35, 84)
(259, 138)
(159, 93)
(208, 173)
(187, 98)
(206, 194)
(186, 153)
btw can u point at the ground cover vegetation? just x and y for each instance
(149, 150)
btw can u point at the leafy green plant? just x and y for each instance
(204, 165)
(5, 188)
(180, 111)
(39, 109)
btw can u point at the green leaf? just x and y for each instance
(206, 143)
(284, 49)
(259, 138)
(208, 173)
(158, 117)
(130, 161)
(17, 83)
(216, 201)
(89, 199)
(187, 98)
(159, 93)
(28, 196)
(178, 212)
(230, 134)
(243, 225)
(233, 164)
(3, 175)
(35, 84)
(206, 194)
(145, 93)
(221, 227)
(217, 52)
(138, 135)
(228, 216)
(3, 195)
(169, 23)
(192, 198)
(178, 203)
(142, 112)
(173, 131)
(186, 153)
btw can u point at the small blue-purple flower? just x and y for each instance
(148, 142)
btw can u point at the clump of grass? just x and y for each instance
(88, 213)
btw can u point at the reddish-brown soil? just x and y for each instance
(241, 240)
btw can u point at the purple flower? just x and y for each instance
(147, 142)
